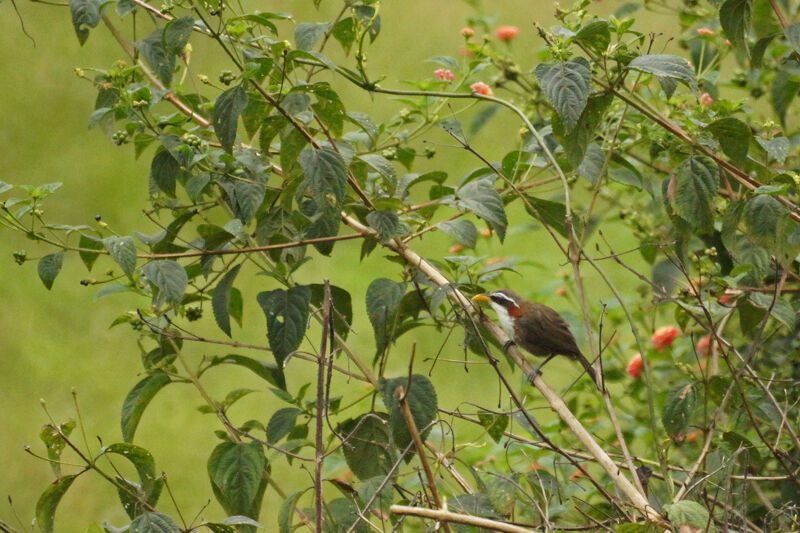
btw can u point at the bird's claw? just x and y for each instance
(535, 372)
(508, 344)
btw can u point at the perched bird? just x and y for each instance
(535, 327)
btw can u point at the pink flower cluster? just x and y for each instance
(481, 88)
(506, 33)
(664, 336)
(444, 74)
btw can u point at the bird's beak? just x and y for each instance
(481, 298)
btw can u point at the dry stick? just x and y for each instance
(552, 398)
(444, 516)
(401, 394)
(319, 454)
(442, 459)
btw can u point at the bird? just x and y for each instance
(537, 328)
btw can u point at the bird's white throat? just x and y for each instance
(506, 322)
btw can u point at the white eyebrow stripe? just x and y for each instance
(501, 296)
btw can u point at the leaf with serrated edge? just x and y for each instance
(161, 61)
(287, 314)
(150, 522)
(85, 15)
(49, 267)
(567, 86)
(383, 298)
(677, 411)
(137, 401)
(422, 402)
(327, 177)
(481, 198)
(220, 300)
(696, 183)
(227, 108)
(666, 66)
(286, 511)
(735, 17)
(145, 465)
(367, 446)
(123, 251)
(282, 423)
(386, 223)
(177, 33)
(734, 137)
(237, 473)
(48, 501)
(170, 278)
(463, 231)
(687, 513)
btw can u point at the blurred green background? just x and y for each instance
(52, 343)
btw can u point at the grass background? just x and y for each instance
(56, 342)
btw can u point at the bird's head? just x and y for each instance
(506, 303)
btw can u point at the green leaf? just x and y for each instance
(735, 17)
(785, 86)
(307, 34)
(463, 231)
(666, 66)
(137, 400)
(382, 166)
(49, 267)
(282, 423)
(221, 300)
(142, 460)
(164, 172)
(237, 471)
(48, 501)
(85, 15)
(325, 225)
(762, 214)
(688, 513)
(227, 108)
(386, 223)
(53, 440)
(327, 178)
(782, 310)
(151, 522)
(421, 400)
(554, 214)
(177, 33)
(695, 186)
(286, 512)
(266, 370)
(596, 34)
(777, 148)
(495, 425)
(383, 299)
(170, 280)
(734, 137)
(345, 33)
(577, 141)
(677, 411)
(592, 165)
(287, 314)
(367, 446)
(481, 198)
(566, 86)
(123, 251)
(244, 197)
(342, 306)
(160, 60)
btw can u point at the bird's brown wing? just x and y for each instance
(545, 333)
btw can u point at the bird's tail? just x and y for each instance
(590, 370)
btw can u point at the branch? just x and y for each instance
(445, 516)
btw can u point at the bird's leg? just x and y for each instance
(508, 344)
(538, 370)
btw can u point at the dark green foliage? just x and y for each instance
(287, 314)
(227, 108)
(137, 401)
(567, 86)
(238, 474)
(421, 398)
